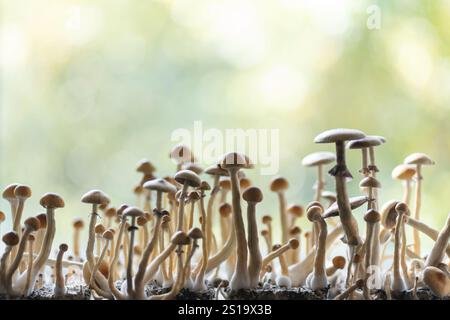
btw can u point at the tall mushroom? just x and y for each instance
(10, 239)
(188, 179)
(405, 173)
(371, 217)
(253, 195)
(419, 160)
(318, 160)
(78, 225)
(280, 185)
(438, 251)
(22, 193)
(233, 162)
(398, 284)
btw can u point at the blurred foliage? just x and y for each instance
(89, 88)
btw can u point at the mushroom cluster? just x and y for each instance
(200, 234)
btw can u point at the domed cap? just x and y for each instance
(372, 216)
(78, 223)
(318, 158)
(180, 238)
(366, 142)
(266, 219)
(194, 196)
(252, 194)
(161, 185)
(279, 184)
(145, 167)
(63, 247)
(11, 238)
(244, 183)
(402, 208)
(95, 197)
(314, 213)
(8, 192)
(133, 212)
(195, 167)
(370, 182)
(293, 243)
(419, 159)
(225, 209)
(295, 210)
(388, 214)
(181, 153)
(338, 262)
(51, 200)
(99, 228)
(204, 186)
(295, 231)
(195, 233)
(404, 172)
(42, 217)
(141, 220)
(225, 184)
(235, 160)
(110, 212)
(216, 170)
(335, 135)
(121, 209)
(2, 216)
(108, 235)
(189, 177)
(22, 191)
(355, 202)
(32, 224)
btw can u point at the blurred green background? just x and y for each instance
(89, 88)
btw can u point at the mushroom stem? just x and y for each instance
(367, 258)
(318, 278)
(199, 283)
(154, 265)
(292, 243)
(350, 290)
(437, 252)
(112, 266)
(407, 192)
(255, 260)
(76, 243)
(132, 230)
(181, 207)
(223, 253)
(4, 267)
(30, 265)
(60, 288)
(283, 216)
(417, 205)
(209, 212)
(98, 263)
(320, 183)
(398, 284)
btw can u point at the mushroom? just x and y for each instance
(60, 288)
(108, 235)
(438, 251)
(267, 220)
(359, 284)
(280, 185)
(295, 232)
(419, 160)
(181, 154)
(192, 166)
(319, 159)
(405, 173)
(22, 193)
(437, 281)
(8, 194)
(10, 239)
(365, 144)
(188, 179)
(225, 212)
(78, 225)
(338, 263)
(110, 214)
(318, 278)
(340, 172)
(99, 229)
(295, 211)
(233, 162)
(291, 244)
(398, 284)
(31, 240)
(355, 202)
(252, 196)
(372, 217)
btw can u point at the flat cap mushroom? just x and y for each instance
(144, 166)
(355, 203)
(419, 160)
(340, 172)
(365, 144)
(193, 167)
(405, 172)
(319, 159)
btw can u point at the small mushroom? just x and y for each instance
(10, 239)
(295, 212)
(280, 185)
(295, 232)
(181, 154)
(78, 225)
(372, 217)
(359, 284)
(437, 281)
(318, 160)
(59, 289)
(338, 263)
(398, 284)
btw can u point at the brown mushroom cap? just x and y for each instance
(194, 196)
(216, 170)
(78, 223)
(99, 229)
(51, 200)
(419, 159)
(293, 243)
(370, 182)
(225, 209)
(296, 210)
(314, 213)
(32, 223)
(244, 183)
(372, 216)
(8, 192)
(133, 212)
(204, 186)
(359, 283)
(225, 184)
(31, 237)
(121, 209)
(266, 219)
(195, 233)
(63, 247)
(335, 135)
(42, 217)
(279, 184)
(110, 212)
(404, 172)
(108, 235)
(389, 214)
(318, 158)
(402, 208)
(141, 220)
(11, 238)
(252, 194)
(95, 197)
(366, 142)
(161, 185)
(138, 189)
(339, 262)
(2, 216)
(195, 167)
(235, 160)
(189, 177)
(295, 231)
(180, 238)
(145, 167)
(22, 191)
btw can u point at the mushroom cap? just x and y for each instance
(235, 160)
(388, 214)
(381, 138)
(370, 182)
(194, 196)
(11, 238)
(402, 208)
(225, 184)
(340, 134)
(2, 216)
(99, 228)
(161, 185)
(138, 189)
(359, 283)
(264, 232)
(372, 216)
(51, 200)
(293, 243)
(110, 212)
(252, 194)
(63, 247)
(133, 212)
(95, 197)
(78, 223)
(295, 231)
(32, 223)
(145, 167)
(419, 159)
(42, 217)
(279, 184)
(314, 213)
(404, 172)
(216, 170)
(437, 281)
(329, 195)
(141, 220)
(366, 142)
(193, 167)
(266, 219)
(244, 183)
(31, 237)
(339, 262)
(8, 192)
(121, 209)
(204, 186)
(195, 233)
(296, 210)
(146, 177)
(355, 202)
(108, 235)
(22, 191)
(318, 158)
(189, 177)
(225, 209)
(180, 238)
(181, 153)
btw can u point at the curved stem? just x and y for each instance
(255, 261)
(417, 205)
